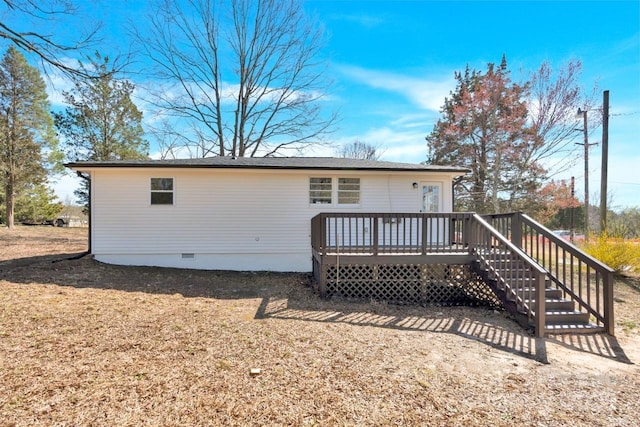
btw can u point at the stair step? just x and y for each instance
(523, 281)
(549, 293)
(566, 317)
(556, 304)
(502, 269)
(588, 328)
(559, 305)
(509, 274)
(504, 265)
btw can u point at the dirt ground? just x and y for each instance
(84, 343)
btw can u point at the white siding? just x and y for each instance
(229, 219)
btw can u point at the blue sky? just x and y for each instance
(392, 63)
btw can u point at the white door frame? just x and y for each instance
(421, 194)
(438, 226)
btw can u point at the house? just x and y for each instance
(247, 214)
(365, 229)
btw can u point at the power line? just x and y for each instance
(625, 183)
(625, 114)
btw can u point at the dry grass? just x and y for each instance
(83, 343)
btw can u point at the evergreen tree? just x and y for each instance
(27, 139)
(38, 204)
(101, 121)
(484, 127)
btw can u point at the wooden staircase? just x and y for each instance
(510, 280)
(543, 281)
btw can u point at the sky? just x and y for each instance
(392, 64)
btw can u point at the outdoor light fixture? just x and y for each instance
(415, 185)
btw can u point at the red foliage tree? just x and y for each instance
(484, 127)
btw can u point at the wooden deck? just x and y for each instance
(462, 258)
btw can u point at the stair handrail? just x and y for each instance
(485, 253)
(604, 273)
(585, 257)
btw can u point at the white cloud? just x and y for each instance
(425, 94)
(64, 186)
(56, 84)
(395, 145)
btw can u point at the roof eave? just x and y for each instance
(90, 165)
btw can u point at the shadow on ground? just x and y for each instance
(599, 344)
(289, 296)
(482, 325)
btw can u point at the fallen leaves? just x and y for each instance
(93, 344)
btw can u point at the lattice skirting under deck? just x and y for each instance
(442, 284)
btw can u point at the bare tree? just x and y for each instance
(238, 77)
(552, 105)
(30, 14)
(358, 150)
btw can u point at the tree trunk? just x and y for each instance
(9, 198)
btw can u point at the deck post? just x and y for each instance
(322, 230)
(425, 235)
(609, 324)
(540, 309)
(470, 232)
(322, 285)
(516, 229)
(376, 220)
(466, 232)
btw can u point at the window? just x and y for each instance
(161, 191)
(320, 191)
(348, 191)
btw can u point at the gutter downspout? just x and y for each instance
(455, 182)
(90, 210)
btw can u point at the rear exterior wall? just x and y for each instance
(228, 219)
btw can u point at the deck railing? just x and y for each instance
(522, 279)
(582, 278)
(517, 252)
(390, 233)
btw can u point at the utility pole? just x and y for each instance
(572, 225)
(605, 161)
(586, 174)
(585, 130)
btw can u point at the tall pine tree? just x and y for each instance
(27, 138)
(101, 121)
(484, 127)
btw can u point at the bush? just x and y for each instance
(620, 254)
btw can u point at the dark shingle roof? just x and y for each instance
(314, 163)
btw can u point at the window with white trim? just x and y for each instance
(348, 191)
(323, 191)
(162, 191)
(320, 191)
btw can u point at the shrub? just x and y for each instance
(618, 253)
